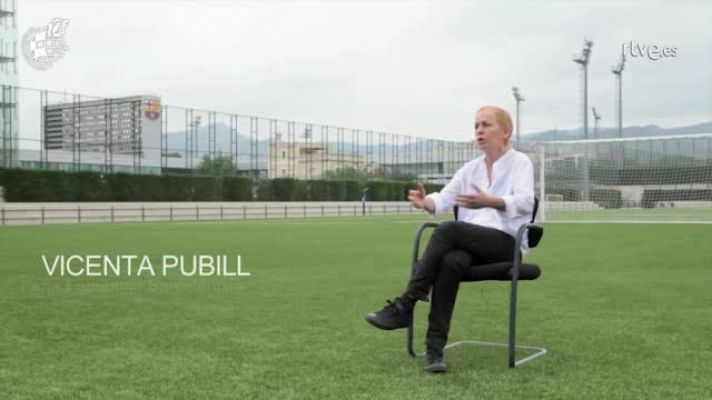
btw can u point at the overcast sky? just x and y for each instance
(408, 67)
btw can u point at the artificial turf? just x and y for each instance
(624, 311)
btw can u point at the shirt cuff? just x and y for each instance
(438, 201)
(514, 205)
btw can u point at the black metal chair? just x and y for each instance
(513, 271)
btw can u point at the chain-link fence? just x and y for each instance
(43, 129)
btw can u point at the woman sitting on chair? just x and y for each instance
(495, 195)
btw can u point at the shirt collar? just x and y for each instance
(505, 156)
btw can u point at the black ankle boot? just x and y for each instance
(435, 362)
(397, 314)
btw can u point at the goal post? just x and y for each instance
(646, 179)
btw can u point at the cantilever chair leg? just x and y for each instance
(511, 345)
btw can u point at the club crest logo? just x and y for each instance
(45, 45)
(152, 108)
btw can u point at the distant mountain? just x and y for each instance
(176, 141)
(608, 133)
(200, 141)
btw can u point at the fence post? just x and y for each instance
(112, 213)
(542, 184)
(170, 208)
(265, 211)
(43, 215)
(197, 213)
(244, 212)
(322, 210)
(338, 207)
(143, 213)
(2, 213)
(285, 211)
(305, 210)
(221, 212)
(79, 214)
(384, 209)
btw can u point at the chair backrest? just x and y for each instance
(536, 208)
(456, 209)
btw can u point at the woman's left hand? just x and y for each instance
(478, 199)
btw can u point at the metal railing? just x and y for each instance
(54, 213)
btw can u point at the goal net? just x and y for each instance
(650, 179)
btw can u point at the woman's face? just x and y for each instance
(490, 135)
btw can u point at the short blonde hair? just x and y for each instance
(502, 116)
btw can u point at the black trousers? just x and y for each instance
(454, 248)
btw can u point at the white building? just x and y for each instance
(8, 82)
(111, 135)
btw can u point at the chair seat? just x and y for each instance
(501, 271)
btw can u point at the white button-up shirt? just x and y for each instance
(512, 181)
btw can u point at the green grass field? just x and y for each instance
(623, 309)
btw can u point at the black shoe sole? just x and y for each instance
(371, 319)
(438, 368)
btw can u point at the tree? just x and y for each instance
(346, 174)
(220, 165)
(399, 175)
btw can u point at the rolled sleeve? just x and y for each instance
(444, 200)
(441, 203)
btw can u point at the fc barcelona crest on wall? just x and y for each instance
(152, 108)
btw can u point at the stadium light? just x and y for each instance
(518, 98)
(618, 72)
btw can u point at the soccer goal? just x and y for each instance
(650, 179)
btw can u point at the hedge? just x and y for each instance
(333, 190)
(29, 185)
(389, 191)
(44, 185)
(125, 187)
(176, 187)
(237, 188)
(289, 189)
(316, 190)
(280, 189)
(205, 188)
(432, 187)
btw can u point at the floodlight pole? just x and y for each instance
(518, 98)
(583, 60)
(618, 72)
(193, 128)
